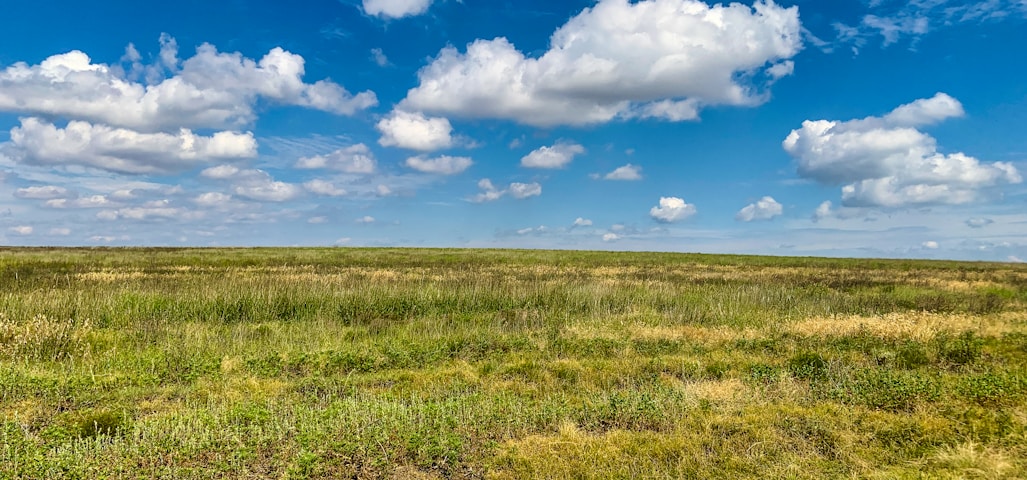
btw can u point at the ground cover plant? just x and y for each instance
(409, 363)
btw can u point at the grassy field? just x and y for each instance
(403, 363)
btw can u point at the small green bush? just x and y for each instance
(808, 366)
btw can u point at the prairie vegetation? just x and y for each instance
(404, 363)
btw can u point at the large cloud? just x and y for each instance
(209, 90)
(415, 131)
(653, 58)
(887, 162)
(556, 156)
(121, 150)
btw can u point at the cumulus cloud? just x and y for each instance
(367, 219)
(556, 156)
(930, 245)
(254, 184)
(124, 151)
(352, 159)
(823, 211)
(520, 191)
(44, 192)
(443, 165)
(651, 58)
(324, 188)
(582, 222)
(672, 209)
(396, 8)
(525, 190)
(209, 90)
(610, 237)
(415, 131)
(91, 201)
(21, 230)
(765, 208)
(212, 199)
(626, 172)
(887, 162)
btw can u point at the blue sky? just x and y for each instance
(869, 128)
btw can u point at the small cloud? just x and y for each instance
(379, 57)
(21, 230)
(212, 199)
(46, 192)
(582, 222)
(317, 220)
(520, 191)
(356, 159)
(383, 190)
(220, 172)
(525, 190)
(343, 241)
(979, 222)
(366, 219)
(930, 245)
(443, 165)
(324, 188)
(764, 209)
(556, 156)
(60, 232)
(415, 131)
(396, 8)
(823, 211)
(1015, 259)
(611, 237)
(626, 172)
(672, 209)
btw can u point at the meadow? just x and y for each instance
(437, 363)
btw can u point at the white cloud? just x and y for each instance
(209, 90)
(611, 237)
(415, 131)
(323, 187)
(255, 184)
(886, 162)
(383, 190)
(765, 208)
(582, 222)
(556, 156)
(489, 192)
(516, 190)
(525, 190)
(352, 159)
(366, 219)
(124, 151)
(21, 230)
(443, 165)
(44, 192)
(979, 222)
(317, 220)
(1015, 259)
(343, 241)
(92, 201)
(626, 172)
(652, 58)
(672, 209)
(212, 199)
(396, 8)
(379, 57)
(220, 172)
(60, 232)
(823, 211)
(930, 245)
(781, 70)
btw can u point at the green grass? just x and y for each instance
(420, 363)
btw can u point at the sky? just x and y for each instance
(866, 128)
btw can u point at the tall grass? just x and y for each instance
(369, 363)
